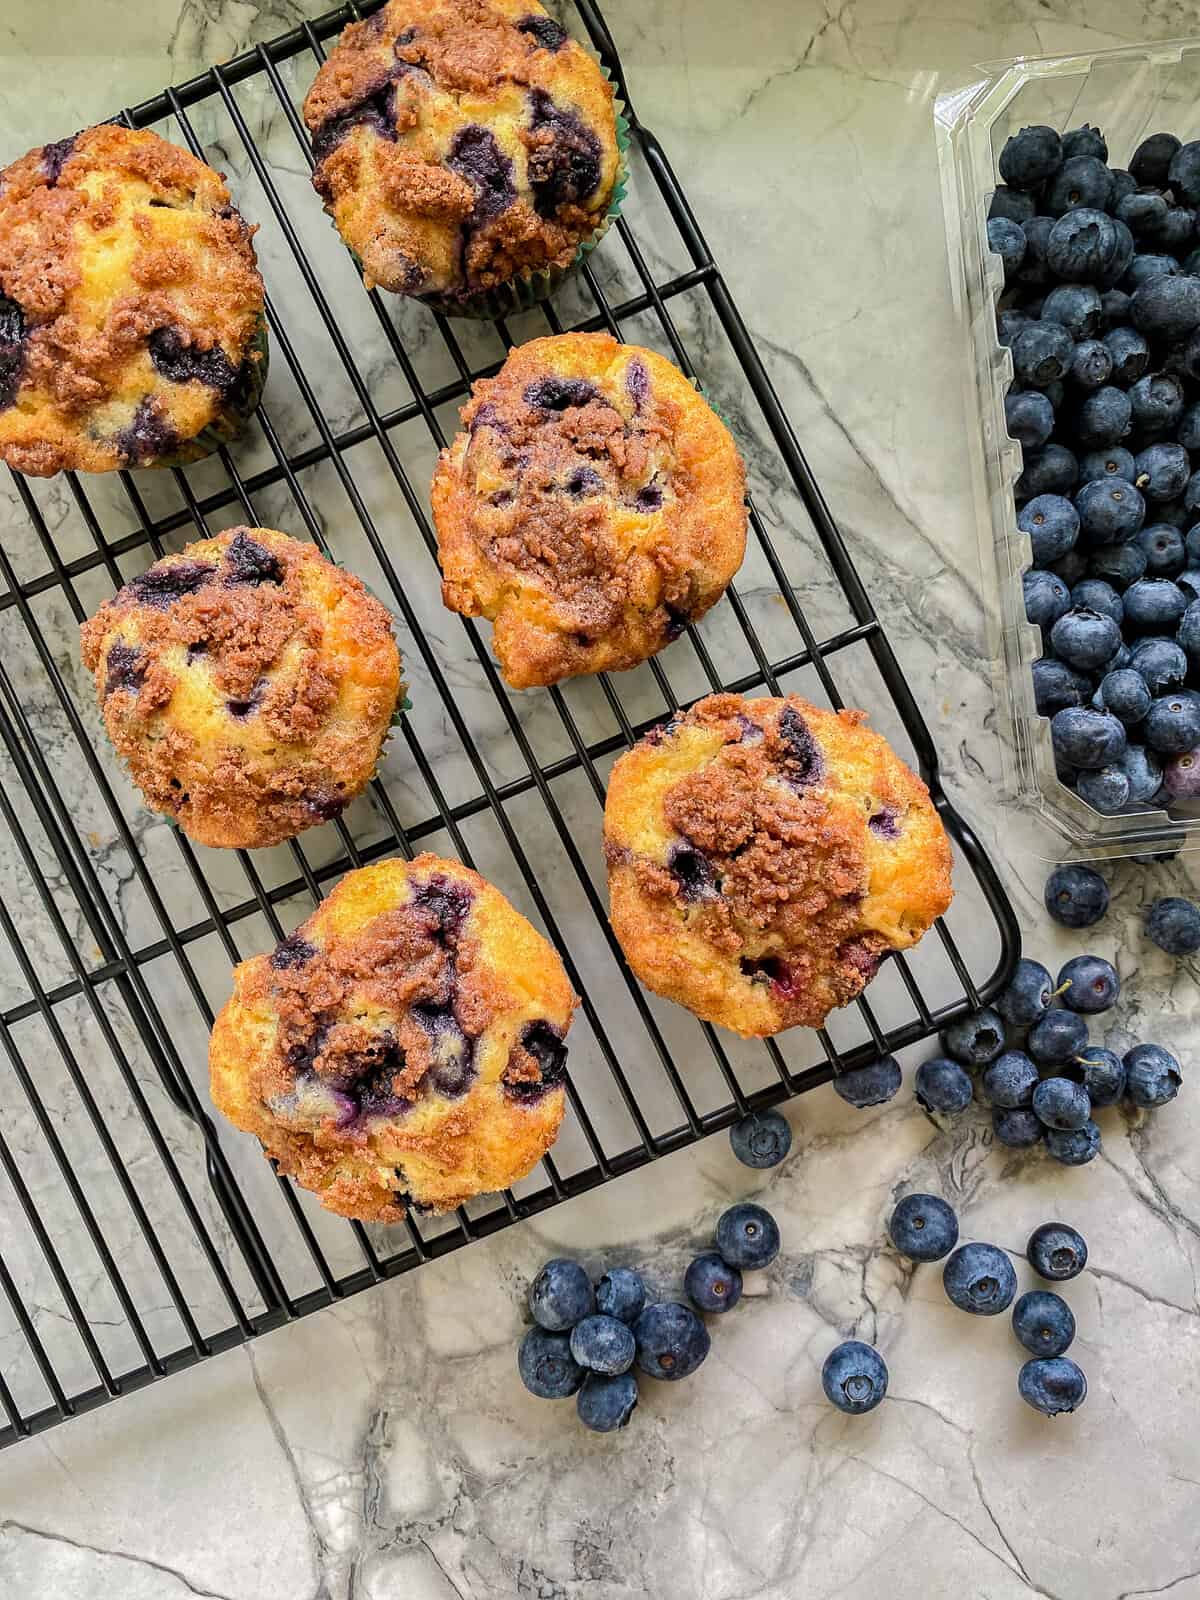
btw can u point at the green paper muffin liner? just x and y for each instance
(236, 412)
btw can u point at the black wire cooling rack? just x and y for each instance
(136, 1236)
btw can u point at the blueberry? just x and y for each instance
(762, 1139)
(1189, 582)
(1188, 432)
(1013, 204)
(1118, 564)
(1017, 1127)
(1074, 306)
(671, 1341)
(1106, 789)
(1071, 567)
(1141, 213)
(1051, 470)
(1152, 1075)
(1056, 1038)
(1183, 174)
(544, 31)
(621, 1293)
(1115, 462)
(1090, 365)
(547, 1366)
(1154, 604)
(1109, 513)
(1173, 924)
(1093, 594)
(1043, 1322)
(1056, 685)
(1056, 1252)
(1086, 738)
(602, 1344)
(854, 1377)
(1122, 254)
(1162, 469)
(1161, 662)
(1188, 633)
(870, 1085)
(747, 1236)
(1029, 993)
(1125, 695)
(1151, 161)
(1009, 323)
(1085, 639)
(605, 1404)
(561, 1295)
(1052, 1386)
(1007, 240)
(1080, 181)
(1010, 1080)
(923, 1227)
(1084, 246)
(976, 1039)
(1061, 1103)
(1164, 307)
(1114, 312)
(1172, 723)
(979, 1278)
(1103, 1074)
(1029, 418)
(1181, 776)
(1145, 267)
(1030, 157)
(1076, 897)
(1035, 272)
(1089, 984)
(1162, 545)
(1103, 418)
(1046, 597)
(1175, 230)
(1073, 1147)
(712, 1284)
(942, 1085)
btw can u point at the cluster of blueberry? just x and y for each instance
(587, 1339)
(1101, 313)
(1039, 1073)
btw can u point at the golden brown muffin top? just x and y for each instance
(129, 299)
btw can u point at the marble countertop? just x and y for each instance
(385, 1448)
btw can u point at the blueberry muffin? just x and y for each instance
(463, 147)
(248, 683)
(592, 508)
(131, 309)
(403, 1046)
(763, 858)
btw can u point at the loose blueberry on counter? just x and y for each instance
(1056, 1251)
(1102, 1073)
(1057, 1038)
(1052, 1385)
(1061, 1104)
(762, 1139)
(1016, 1127)
(923, 1227)
(1043, 1322)
(1152, 1075)
(979, 1278)
(942, 1085)
(1030, 157)
(1173, 924)
(711, 1284)
(854, 1377)
(974, 1040)
(671, 1341)
(561, 1295)
(602, 1344)
(1029, 993)
(1172, 723)
(547, 1366)
(1089, 984)
(1074, 1147)
(1010, 1080)
(621, 1293)
(1076, 897)
(747, 1237)
(606, 1404)
(871, 1085)
(1085, 738)
(1125, 695)
(1007, 240)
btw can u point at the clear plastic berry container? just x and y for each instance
(1127, 93)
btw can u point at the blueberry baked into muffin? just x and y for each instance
(131, 308)
(248, 683)
(464, 148)
(403, 1046)
(764, 856)
(591, 509)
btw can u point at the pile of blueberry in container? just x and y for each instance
(1101, 313)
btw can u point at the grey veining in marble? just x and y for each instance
(385, 1448)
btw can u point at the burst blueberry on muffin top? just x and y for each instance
(249, 684)
(131, 308)
(764, 856)
(403, 1046)
(461, 145)
(592, 507)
